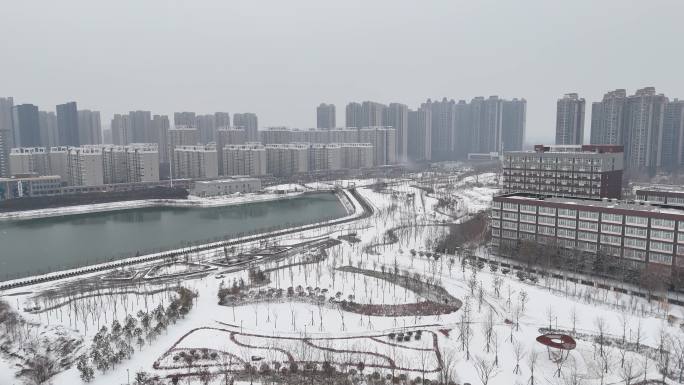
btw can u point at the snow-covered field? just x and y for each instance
(499, 321)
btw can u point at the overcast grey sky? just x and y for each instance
(280, 58)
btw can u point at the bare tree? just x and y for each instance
(485, 369)
(531, 364)
(519, 351)
(573, 377)
(600, 324)
(629, 372)
(447, 372)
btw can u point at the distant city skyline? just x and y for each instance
(293, 57)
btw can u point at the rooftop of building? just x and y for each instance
(673, 189)
(571, 149)
(597, 203)
(29, 177)
(236, 178)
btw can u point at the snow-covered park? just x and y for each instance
(372, 300)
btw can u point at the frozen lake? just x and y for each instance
(35, 246)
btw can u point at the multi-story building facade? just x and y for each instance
(249, 122)
(643, 235)
(48, 128)
(570, 120)
(645, 117)
(608, 118)
(222, 119)
(209, 188)
(325, 157)
(29, 186)
(160, 127)
(383, 140)
(26, 126)
(228, 136)
(325, 116)
(357, 155)
(206, 125)
(195, 162)
(244, 159)
(287, 159)
(672, 151)
(396, 116)
(6, 134)
(85, 166)
(667, 195)
(589, 171)
(130, 164)
(353, 113)
(419, 146)
(89, 127)
(187, 119)
(30, 160)
(67, 124)
(121, 130)
(513, 123)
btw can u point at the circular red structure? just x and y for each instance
(557, 341)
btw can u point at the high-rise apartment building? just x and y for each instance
(443, 119)
(672, 151)
(249, 122)
(26, 126)
(130, 164)
(325, 156)
(29, 160)
(206, 124)
(383, 140)
(195, 162)
(48, 128)
(396, 116)
(141, 127)
(287, 159)
(67, 124)
(357, 155)
(222, 119)
(121, 130)
(645, 117)
(325, 116)
(226, 136)
(85, 166)
(570, 120)
(244, 159)
(589, 171)
(419, 137)
(6, 134)
(353, 115)
(160, 129)
(513, 124)
(372, 114)
(89, 127)
(608, 118)
(187, 119)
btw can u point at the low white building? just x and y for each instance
(210, 188)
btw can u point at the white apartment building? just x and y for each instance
(138, 162)
(357, 155)
(325, 157)
(287, 159)
(245, 159)
(28, 160)
(85, 166)
(195, 162)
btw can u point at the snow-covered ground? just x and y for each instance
(285, 329)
